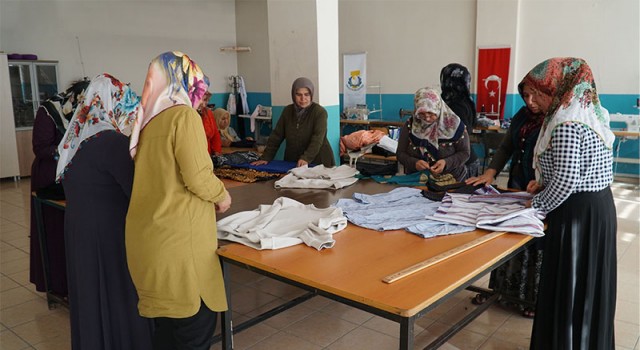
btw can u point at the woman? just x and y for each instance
(573, 163)
(97, 173)
(228, 135)
(214, 143)
(518, 278)
(49, 126)
(434, 138)
(171, 224)
(303, 125)
(455, 80)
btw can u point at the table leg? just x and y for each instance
(225, 317)
(406, 333)
(44, 253)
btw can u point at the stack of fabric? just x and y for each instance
(319, 177)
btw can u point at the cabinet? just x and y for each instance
(31, 83)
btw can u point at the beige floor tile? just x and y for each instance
(319, 303)
(500, 344)
(348, 313)
(6, 283)
(388, 327)
(627, 335)
(628, 311)
(279, 289)
(59, 343)
(10, 341)
(283, 340)
(252, 336)
(490, 320)
(628, 291)
(516, 329)
(321, 329)
(364, 339)
(293, 315)
(14, 266)
(45, 328)
(15, 296)
(26, 312)
(22, 242)
(248, 299)
(464, 339)
(12, 254)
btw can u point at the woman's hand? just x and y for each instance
(224, 204)
(533, 187)
(486, 178)
(225, 143)
(259, 162)
(438, 166)
(302, 162)
(422, 165)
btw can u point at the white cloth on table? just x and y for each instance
(388, 144)
(319, 177)
(282, 224)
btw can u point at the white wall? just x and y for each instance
(252, 30)
(606, 33)
(121, 37)
(407, 41)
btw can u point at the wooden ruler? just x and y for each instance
(440, 257)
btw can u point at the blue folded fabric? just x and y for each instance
(403, 180)
(274, 166)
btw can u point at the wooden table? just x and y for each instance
(352, 271)
(52, 298)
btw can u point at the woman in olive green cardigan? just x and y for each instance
(303, 125)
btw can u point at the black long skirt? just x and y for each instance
(577, 296)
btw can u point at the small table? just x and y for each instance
(52, 298)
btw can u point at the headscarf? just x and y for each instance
(172, 79)
(218, 113)
(60, 107)
(574, 98)
(455, 80)
(299, 83)
(107, 104)
(447, 128)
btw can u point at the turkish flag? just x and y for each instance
(493, 76)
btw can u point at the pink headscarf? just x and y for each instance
(172, 79)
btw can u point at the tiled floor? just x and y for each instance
(26, 322)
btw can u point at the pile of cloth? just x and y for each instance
(282, 224)
(318, 177)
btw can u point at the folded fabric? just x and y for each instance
(419, 178)
(282, 224)
(358, 139)
(244, 175)
(388, 144)
(235, 158)
(319, 177)
(274, 166)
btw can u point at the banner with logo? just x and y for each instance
(355, 79)
(493, 76)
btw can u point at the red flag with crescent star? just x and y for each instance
(493, 76)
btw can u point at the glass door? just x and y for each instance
(46, 81)
(22, 93)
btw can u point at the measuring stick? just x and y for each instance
(440, 257)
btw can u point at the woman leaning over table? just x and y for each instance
(519, 277)
(303, 125)
(434, 138)
(573, 162)
(171, 224)
(97, 172)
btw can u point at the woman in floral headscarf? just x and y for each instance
(434, 138)
(97, 173)
(171, 224)
(573, 162)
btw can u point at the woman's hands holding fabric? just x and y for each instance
(533, 187)
(438, 166)
(224, 204)
(259, 162)
(486, 178)
(302, 162)
(422, 165)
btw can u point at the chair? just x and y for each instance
(491, 141)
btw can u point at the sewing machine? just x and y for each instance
(631, 131)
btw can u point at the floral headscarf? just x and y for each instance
(447, 128)
(107, 104)
(574, 98)
(172, 79)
